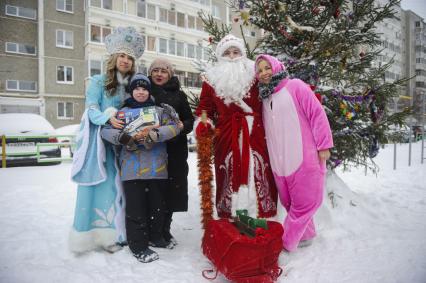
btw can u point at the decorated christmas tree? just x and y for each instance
(331, 45)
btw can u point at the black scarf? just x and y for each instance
(132, 103)
(265, 90)
(172, 85)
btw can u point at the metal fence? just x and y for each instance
(37, 153)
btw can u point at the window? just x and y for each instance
(172, 47)
(194, 80)
(29, 86)
(163, 45)
(151, 44)
(180, 49)
(191, 51)
(141, 8)
(171, 17)
(95, 67)
(21, 12)
(215, 11)
(65, 110)
(163, 15)
(191, 22)
(420, 72)
(64, 75)
(180, 20)
(206, 54)
(200, 24)
(98, 33)
(181, 77)
(151, 12)
(64, 6)
(13, 47)
(202, 2)
(420, 84)
(107, 4)
(64, 38)
(417, 24)
(199, 52)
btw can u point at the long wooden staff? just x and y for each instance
(205, 173)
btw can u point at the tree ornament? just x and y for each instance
(281, 7)
(245, 17)
(317, 10)
(336, 13)
(241, 4)
(210, 39)
(285, 33)
(362, 55)
(297, 27)
(236, 19)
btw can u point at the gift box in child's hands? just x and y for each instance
(241, 258)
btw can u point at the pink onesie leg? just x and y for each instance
(283, 194)
(305, 188)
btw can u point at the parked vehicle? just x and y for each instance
(68, 130)
(23, 132)
(192, 142)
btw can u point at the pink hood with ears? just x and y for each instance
(276, 65)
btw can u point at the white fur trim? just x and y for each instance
(120, 204)
(122, 80)
(111, 112)
(80, 153)
(80, 242)
(246, 197)
(227, 42)
(198, 121)
(101, 154)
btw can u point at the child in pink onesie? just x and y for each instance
(298, 137)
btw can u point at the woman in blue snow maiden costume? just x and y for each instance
(99, 215)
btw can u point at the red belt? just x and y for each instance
(240, 160)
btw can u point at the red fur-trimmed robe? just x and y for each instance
(240, 153)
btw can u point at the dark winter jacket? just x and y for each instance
(177, 148)
(143, 163)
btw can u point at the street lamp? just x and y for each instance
(395, 100)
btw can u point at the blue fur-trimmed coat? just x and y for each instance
(99, 212)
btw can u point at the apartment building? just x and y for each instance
(172, 29)
(19, 88)
(42, 59)
(392, 36)
(62, 63)
(415, 58)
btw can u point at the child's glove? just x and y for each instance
(153, 136)
(128, 141)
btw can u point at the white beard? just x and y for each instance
(231, 78)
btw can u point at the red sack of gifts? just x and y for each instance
(240, 258)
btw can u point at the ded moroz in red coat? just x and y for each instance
(240, 153)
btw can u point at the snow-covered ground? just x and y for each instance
(376, 233)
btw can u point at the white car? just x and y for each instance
(23, 131)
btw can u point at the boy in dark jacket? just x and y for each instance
(143, 166)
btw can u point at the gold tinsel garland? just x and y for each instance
(205, 175)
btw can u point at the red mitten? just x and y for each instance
(202, 129)
(318, 95)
